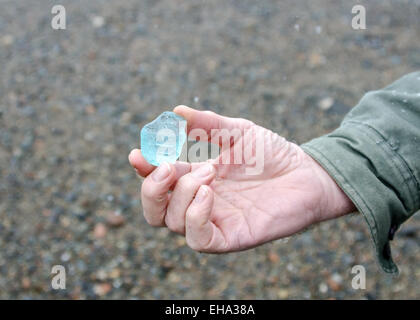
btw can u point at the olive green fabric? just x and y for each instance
(374, 156)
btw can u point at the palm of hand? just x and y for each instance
(252, 209)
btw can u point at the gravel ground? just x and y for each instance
(72, 103)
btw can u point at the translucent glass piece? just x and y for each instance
(162, 139)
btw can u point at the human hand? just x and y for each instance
(220, 208)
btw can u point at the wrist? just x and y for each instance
(334, 202)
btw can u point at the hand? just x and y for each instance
(219, 208)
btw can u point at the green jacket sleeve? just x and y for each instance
(374, 156)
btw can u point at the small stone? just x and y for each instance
(7, 40)
(98, 21)
(283, 294)
(126, 117)
(99, 231)
(26, 283)
(90, 109)
(108, 149)
(163, 138)
(174, 277)
(316, 59)
(334, 282)
(115, 273)
(101, 275)
(102, 289)
(323, 288)
(290, 267)
(181, 242)
(326, 103)
(66, 256)
(115, 219)
(273, 257)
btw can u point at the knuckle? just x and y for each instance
(209, 112)
(194, 245)
(200, 245)
(151, 191)
(147, 191)
(173, 224)
(169, 222)
(186, 183)
(246, 122)
(152, 220)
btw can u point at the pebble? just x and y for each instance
(334, 282)
(102, 289)
(26, 283)
(323, 288)
(65, 257)
(326, 103)
(115, 219)
(273, 257)
(100, 231)
(283, 294)
(7, 40)
(98, 21)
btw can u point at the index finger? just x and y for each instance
(208, 120)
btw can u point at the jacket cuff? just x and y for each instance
(366, 168)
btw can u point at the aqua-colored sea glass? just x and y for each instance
(162, 139)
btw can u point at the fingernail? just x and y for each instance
(161, 172)
(203, 171)
(201, 194)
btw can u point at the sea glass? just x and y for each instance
(162, 139)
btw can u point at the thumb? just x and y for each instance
(208, 120)
(202, 234)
